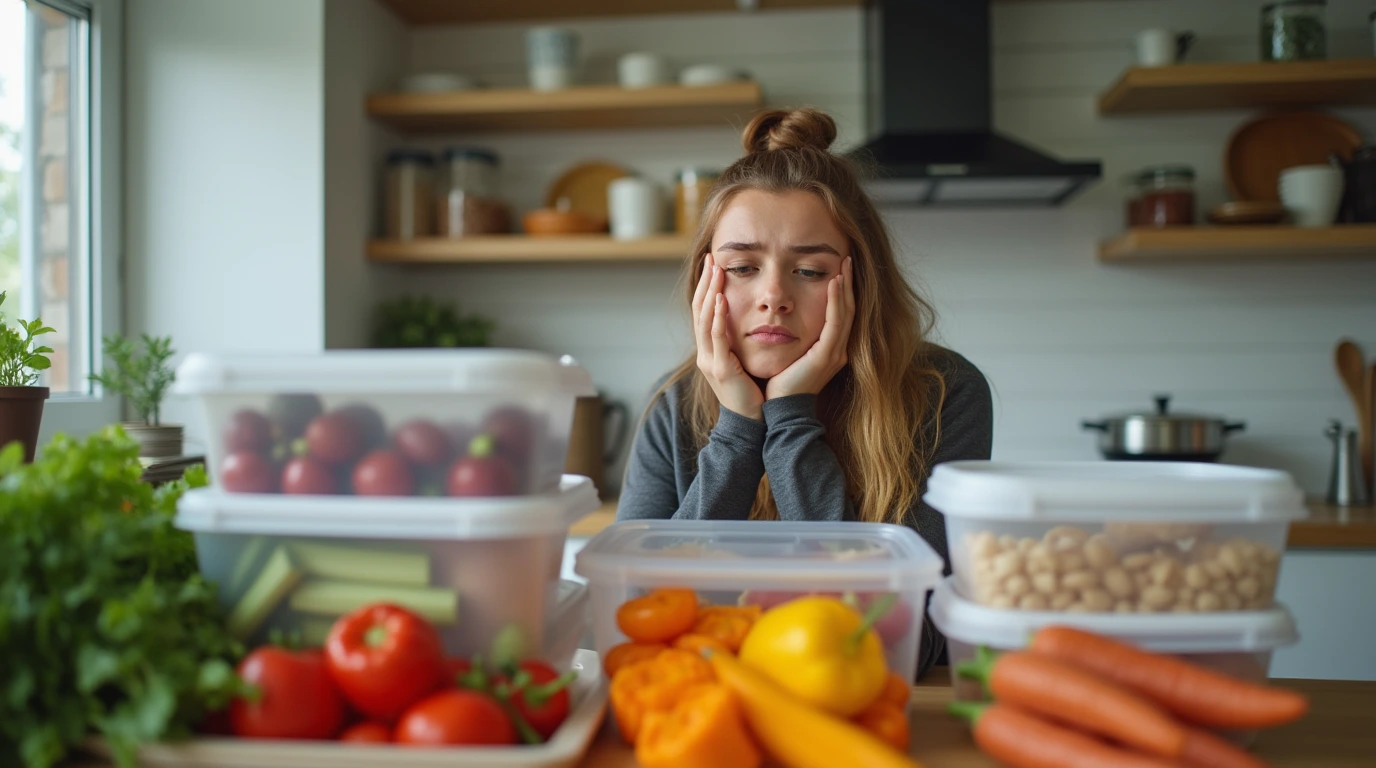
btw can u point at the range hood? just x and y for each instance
(929, 104)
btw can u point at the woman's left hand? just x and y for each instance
(809, 373)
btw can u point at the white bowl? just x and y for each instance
(436, 82)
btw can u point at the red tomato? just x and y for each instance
(544, 701)
(305, 475)
(248, 472)
(297, 699)
(383, 473)
(367, 733)
(385, 658)
(456, 717)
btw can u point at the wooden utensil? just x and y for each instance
(1352, 369)
(1247, 212)
(1258, 151)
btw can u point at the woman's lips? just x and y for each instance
(771, 334)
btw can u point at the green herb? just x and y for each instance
(106, 626)
(143, 377)
(1293, 36)
(20, 361)
(423, 322)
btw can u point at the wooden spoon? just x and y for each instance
(1353, 371)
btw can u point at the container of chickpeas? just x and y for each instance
(1115, 537)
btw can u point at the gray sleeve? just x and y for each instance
(728, 474)
(804, 475)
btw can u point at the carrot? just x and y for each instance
(1205, 750)
(1199, 695)
(1058, 690)
(1022, 740)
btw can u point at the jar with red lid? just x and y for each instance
(1165, 196)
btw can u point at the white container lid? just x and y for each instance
(1113, 490)
(740, 554)
(1220, 632)
(209, 510)
(494, 371)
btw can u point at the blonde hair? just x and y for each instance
(875, 409)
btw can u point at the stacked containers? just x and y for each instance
(430, 479)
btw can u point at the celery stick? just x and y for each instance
(336, 598)
(314, 630)
(278, 577)
(250, 562)
(408, 569)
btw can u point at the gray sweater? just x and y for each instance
(665, 479)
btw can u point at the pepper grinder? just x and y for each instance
(1346, 486)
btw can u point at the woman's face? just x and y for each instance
(779, 251)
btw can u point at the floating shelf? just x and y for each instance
(597, 106)
(507, 249)
(1240, 243)
(1191, 87)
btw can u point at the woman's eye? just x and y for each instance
(812, 274)
(739, 270)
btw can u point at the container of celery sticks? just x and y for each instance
(484, 571)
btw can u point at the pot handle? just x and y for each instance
(1101, 426)
(1236, 426)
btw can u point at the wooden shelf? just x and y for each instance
(1242, 243)
(595, 106)
(1186, 87)
(506, 249)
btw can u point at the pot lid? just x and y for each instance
(1163, 413)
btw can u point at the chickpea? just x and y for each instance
(1080, 580)
(1196, 577)
(1099, 552)
(1231, 602)
(1138, 561)
(1158, 597)
(1124, 606)
(1248, 587)
(1207, 601)
(1001, 601)
(1072, 561)
(1164, 573)
(1118, 582)
(1044, 583)
(1041, 562)
(1077, 608)
(1232, 559)
(1007, 564)
(983, 545)
(1096, 600)
(1066, 537)
(1062, 600)
(1186, 595)
(1215, 570)
(1142, 579)
(1033, 602)
(1025, 545)
(1016, 586)
(1007, 542)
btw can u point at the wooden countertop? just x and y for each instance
(1336, 734)
(1327, 527)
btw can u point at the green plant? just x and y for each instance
(424, 322)
(20, 361)
(143, 377)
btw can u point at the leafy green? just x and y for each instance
(423, 322)
(143, 377)
(105, 624)
(20, 361)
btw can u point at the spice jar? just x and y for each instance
(469, 204)
(1292, 30)
(1165, 196)
(408, 187)
(690, 196)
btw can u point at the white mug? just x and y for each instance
(1312, 194)
(641, 70)
(635, 209)
(1159, 47)
(551, 57)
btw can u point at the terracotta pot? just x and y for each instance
(162, 441)
(21, 413)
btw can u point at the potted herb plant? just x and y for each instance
(21, 402)
(142, 374)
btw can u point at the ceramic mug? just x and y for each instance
(551, 56)
(1312, 194)
(635, 209)
(1159, 47)
(641, 70)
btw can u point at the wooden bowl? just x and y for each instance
(546, 222)
(1248, 212)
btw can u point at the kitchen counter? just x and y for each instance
(1336, 734)
(1327, 527)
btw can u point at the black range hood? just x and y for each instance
(929, 104)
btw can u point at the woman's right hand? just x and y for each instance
(733, 386)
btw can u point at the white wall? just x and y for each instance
(224, 195)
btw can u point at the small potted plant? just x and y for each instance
(21, 401)
(143, 376)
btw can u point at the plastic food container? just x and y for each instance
(764, 563)
(566, 624)
(1239, 643)
(471, 422)
(476, 568)
(1126, 537)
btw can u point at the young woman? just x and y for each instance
(813, 394)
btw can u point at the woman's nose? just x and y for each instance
(774, 296)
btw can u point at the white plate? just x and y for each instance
(564, 750)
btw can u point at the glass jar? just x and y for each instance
(1293, 30)
(408, 188)
(1165, 196)
(691, 186)
(469, 204)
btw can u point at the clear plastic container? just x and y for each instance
(1238, 643)
(567, 624)
(467, 422)
(737, 562)
(473, 567)
(1115, 536)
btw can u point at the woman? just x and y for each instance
(813, 394)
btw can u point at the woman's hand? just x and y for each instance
(733, 387)
(809, 373)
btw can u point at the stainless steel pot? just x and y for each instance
(1162, 436)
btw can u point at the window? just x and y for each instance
(58, 159)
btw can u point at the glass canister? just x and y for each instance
(408, 187)
(1165, 196)
(1293, 30)
(469, 204)
(691, 186)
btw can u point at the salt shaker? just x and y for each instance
(1346, 486)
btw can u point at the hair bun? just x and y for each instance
(805, 128)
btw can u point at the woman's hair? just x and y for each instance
(875, 409)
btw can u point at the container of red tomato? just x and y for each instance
(455, 423)
(759, 563)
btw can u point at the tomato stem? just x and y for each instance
(375, 636)
(882, 605)
(536, 695)
(528, 734)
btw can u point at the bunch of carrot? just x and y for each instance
(1075, 699)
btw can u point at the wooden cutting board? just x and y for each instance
(1261, 149)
